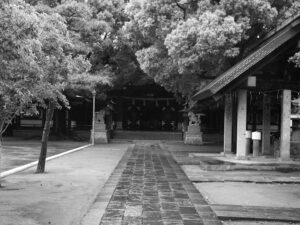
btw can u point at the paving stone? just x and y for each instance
(151, 207)
(132, 221)
(120, 198)
(192, 222)
(152, 216)
(184, 202)
(190, 217)
(187, 210)
(173, 222)
(171, 215)
(169, 206)
(116, 205)
(165, 194)
(212, 222)
(123, 192)
(150, 200)
(134, 198)
(167, 199)
(146, 222)
(113, 214)
(181, 195)
(133, 211)
(111, 222)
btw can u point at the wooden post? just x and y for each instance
(266, 125)
(285, 133)
(228, 123)
(241, 151)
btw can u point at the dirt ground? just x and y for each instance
(20, 152)
(63, 194)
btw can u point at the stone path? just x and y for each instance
(152, 189)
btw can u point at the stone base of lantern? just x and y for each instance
(193, 136)
(101, 134)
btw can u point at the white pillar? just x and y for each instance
(241, 151)
(285, 133)
(228, 123)
(266, 129)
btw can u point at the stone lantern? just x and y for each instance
(193, 134)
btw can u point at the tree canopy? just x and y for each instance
(185, 44)
(181, 44)
(19, 69)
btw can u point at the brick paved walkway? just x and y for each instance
(152, 189)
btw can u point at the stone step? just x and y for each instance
(147, 135)
(238, 212)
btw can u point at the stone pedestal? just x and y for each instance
(193, 136)
(101, 136)
(101, 133)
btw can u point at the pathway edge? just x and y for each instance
(29, 165)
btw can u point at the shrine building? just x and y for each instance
(261, 93)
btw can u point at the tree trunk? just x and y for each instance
(0, 158)
(42, 159)
(1, 128)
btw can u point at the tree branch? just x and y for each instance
(182, 8)
(5, 128)
(2, 130)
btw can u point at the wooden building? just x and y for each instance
(257, 94)
(146, 107)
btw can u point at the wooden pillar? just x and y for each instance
(234, 123)
(285, 134)
(241, 151)
(228, 123)
(266, 125)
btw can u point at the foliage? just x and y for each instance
(296, 59)
(184, 44)
(19, 69)
(203, 42)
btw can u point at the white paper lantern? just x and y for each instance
(256, 135)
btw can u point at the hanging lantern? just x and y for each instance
(156, 103)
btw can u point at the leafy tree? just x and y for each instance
(60, 68)
(64, 59)
(19, 70)
(96, 30)
(185, 44)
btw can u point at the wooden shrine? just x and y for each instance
(258, 92)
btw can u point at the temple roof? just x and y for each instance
(271, 42)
